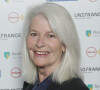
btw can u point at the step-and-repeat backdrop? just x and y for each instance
(86, 15)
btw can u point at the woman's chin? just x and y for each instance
(40, 65)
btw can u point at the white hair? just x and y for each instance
(63, 26)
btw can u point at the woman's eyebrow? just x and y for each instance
(32, 30)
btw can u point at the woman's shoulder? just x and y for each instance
(74, 84)
(27, 86)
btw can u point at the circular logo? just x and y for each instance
(93, 0)
(15, 72)
(13, 17)
(91, 52)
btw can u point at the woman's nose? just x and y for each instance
(40, 42)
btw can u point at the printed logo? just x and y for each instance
(86, 15)
(12, 55)
(17, 1)
(7, 1)
(16, 55)
(16, 72)
(88, 33)
(6, 55)
(96, 33)
(93, 87)
(93, 33)
(5, 36)
(90, 86)
(90, 69)
(91, 52)
(62, 0)
(21, 17)
(99, 51)
(13, 17)
(93, 0)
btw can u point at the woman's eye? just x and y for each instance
(51, 35)
(33, 34)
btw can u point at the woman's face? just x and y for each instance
(44, 48)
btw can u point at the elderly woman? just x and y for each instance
(51, 51)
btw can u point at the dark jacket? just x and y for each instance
(73, 84)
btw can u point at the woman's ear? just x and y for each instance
(63, 48)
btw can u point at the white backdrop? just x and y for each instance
(86, 15)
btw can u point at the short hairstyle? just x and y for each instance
(63, 27)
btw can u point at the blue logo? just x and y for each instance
(62, 0)
(88, 33)
(90, 86)
(6, 55)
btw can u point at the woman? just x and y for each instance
(51, 52)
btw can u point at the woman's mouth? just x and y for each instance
(41, 52)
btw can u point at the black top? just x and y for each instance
(72, 84)
(42, 85)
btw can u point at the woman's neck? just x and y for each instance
(44, 73)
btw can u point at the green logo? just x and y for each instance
(6, 55)
(90, 86)
(88, 33)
